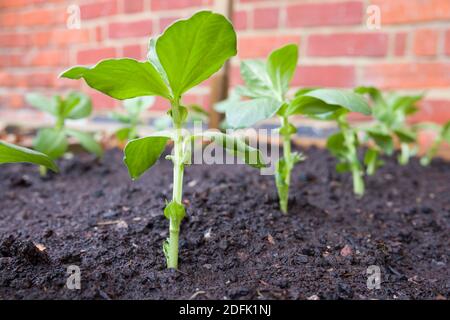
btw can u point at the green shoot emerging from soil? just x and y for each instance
(442, 136)
(344, 146)
(186, 54)
(266, 87)
(54, 141)
(134, 108)
(390, 114)
(10, 153)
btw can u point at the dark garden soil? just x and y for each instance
(235, 244)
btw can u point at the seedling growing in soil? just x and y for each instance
(443, 135)
(390, 114)
(54, 141)
(266, 87)
(10, 153)
(344, 146)
(134, 108)
(186, 54)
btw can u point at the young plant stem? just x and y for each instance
(283, 193)
(43, 171)
(178, 170)
(352, 156)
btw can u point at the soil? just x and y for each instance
(235, 243)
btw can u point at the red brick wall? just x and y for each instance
(410, 53)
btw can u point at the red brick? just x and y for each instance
(447, 43)
(400, 44)
(324, 76)
(323, 14)
(157, 5)
(64, 37)
(98, 9)
(43, 17)
(9, 19)
(130, 29)
(348, 44)
(100, 100)
(132, 6)
(165, 22)
(49, 58)
(11, 60)
(407, 75)
(133, 51)
(433, 111)
(92, 56)
(40, 79)
(425, 42)
(401, 11)
(266, 18)
(240, 20)
(9, 40)
(261, 46)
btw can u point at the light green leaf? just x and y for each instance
(48, 105)
(248, 112)
(372, 161)
(347, 100)
(281, 66)
(10, 153)
(51, 142)
(383, 140)
(77, 106)
(257, 82)
(137, 105)
(123, 134)
(87, 141)
(311, 107)
(123, 118)
(374, 94)
(192, 50)
(174, 210)
(142, 153)
(336, 144)
(121, 78)
(405, 135)
(236, 146)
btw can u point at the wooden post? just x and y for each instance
(219, 83)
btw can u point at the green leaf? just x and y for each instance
(174, 210)
(237, 147)
(142, 153)
(51, 142)
(122, 78)
(87, 141)
(342, 167)
(281, 66)
(348, 100)
(446, 132)
(248, 112)
(48, 105)
(374, 94)
(311, 107)
(123, 118)
(303, 91)
(136, 106)
(192, 50)
(10, 153)
(123, 134)
(257, 82)
(76, 106)
(372, 161)
(336, 144)
(406, 104)
(405, 135)
(383, 140)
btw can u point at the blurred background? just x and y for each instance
(341, 44)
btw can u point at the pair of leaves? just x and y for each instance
(133, 107)
(141, 154)
(10, 153)
(266, 84)
(54, 143)
(75, 106)
(186, 54)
